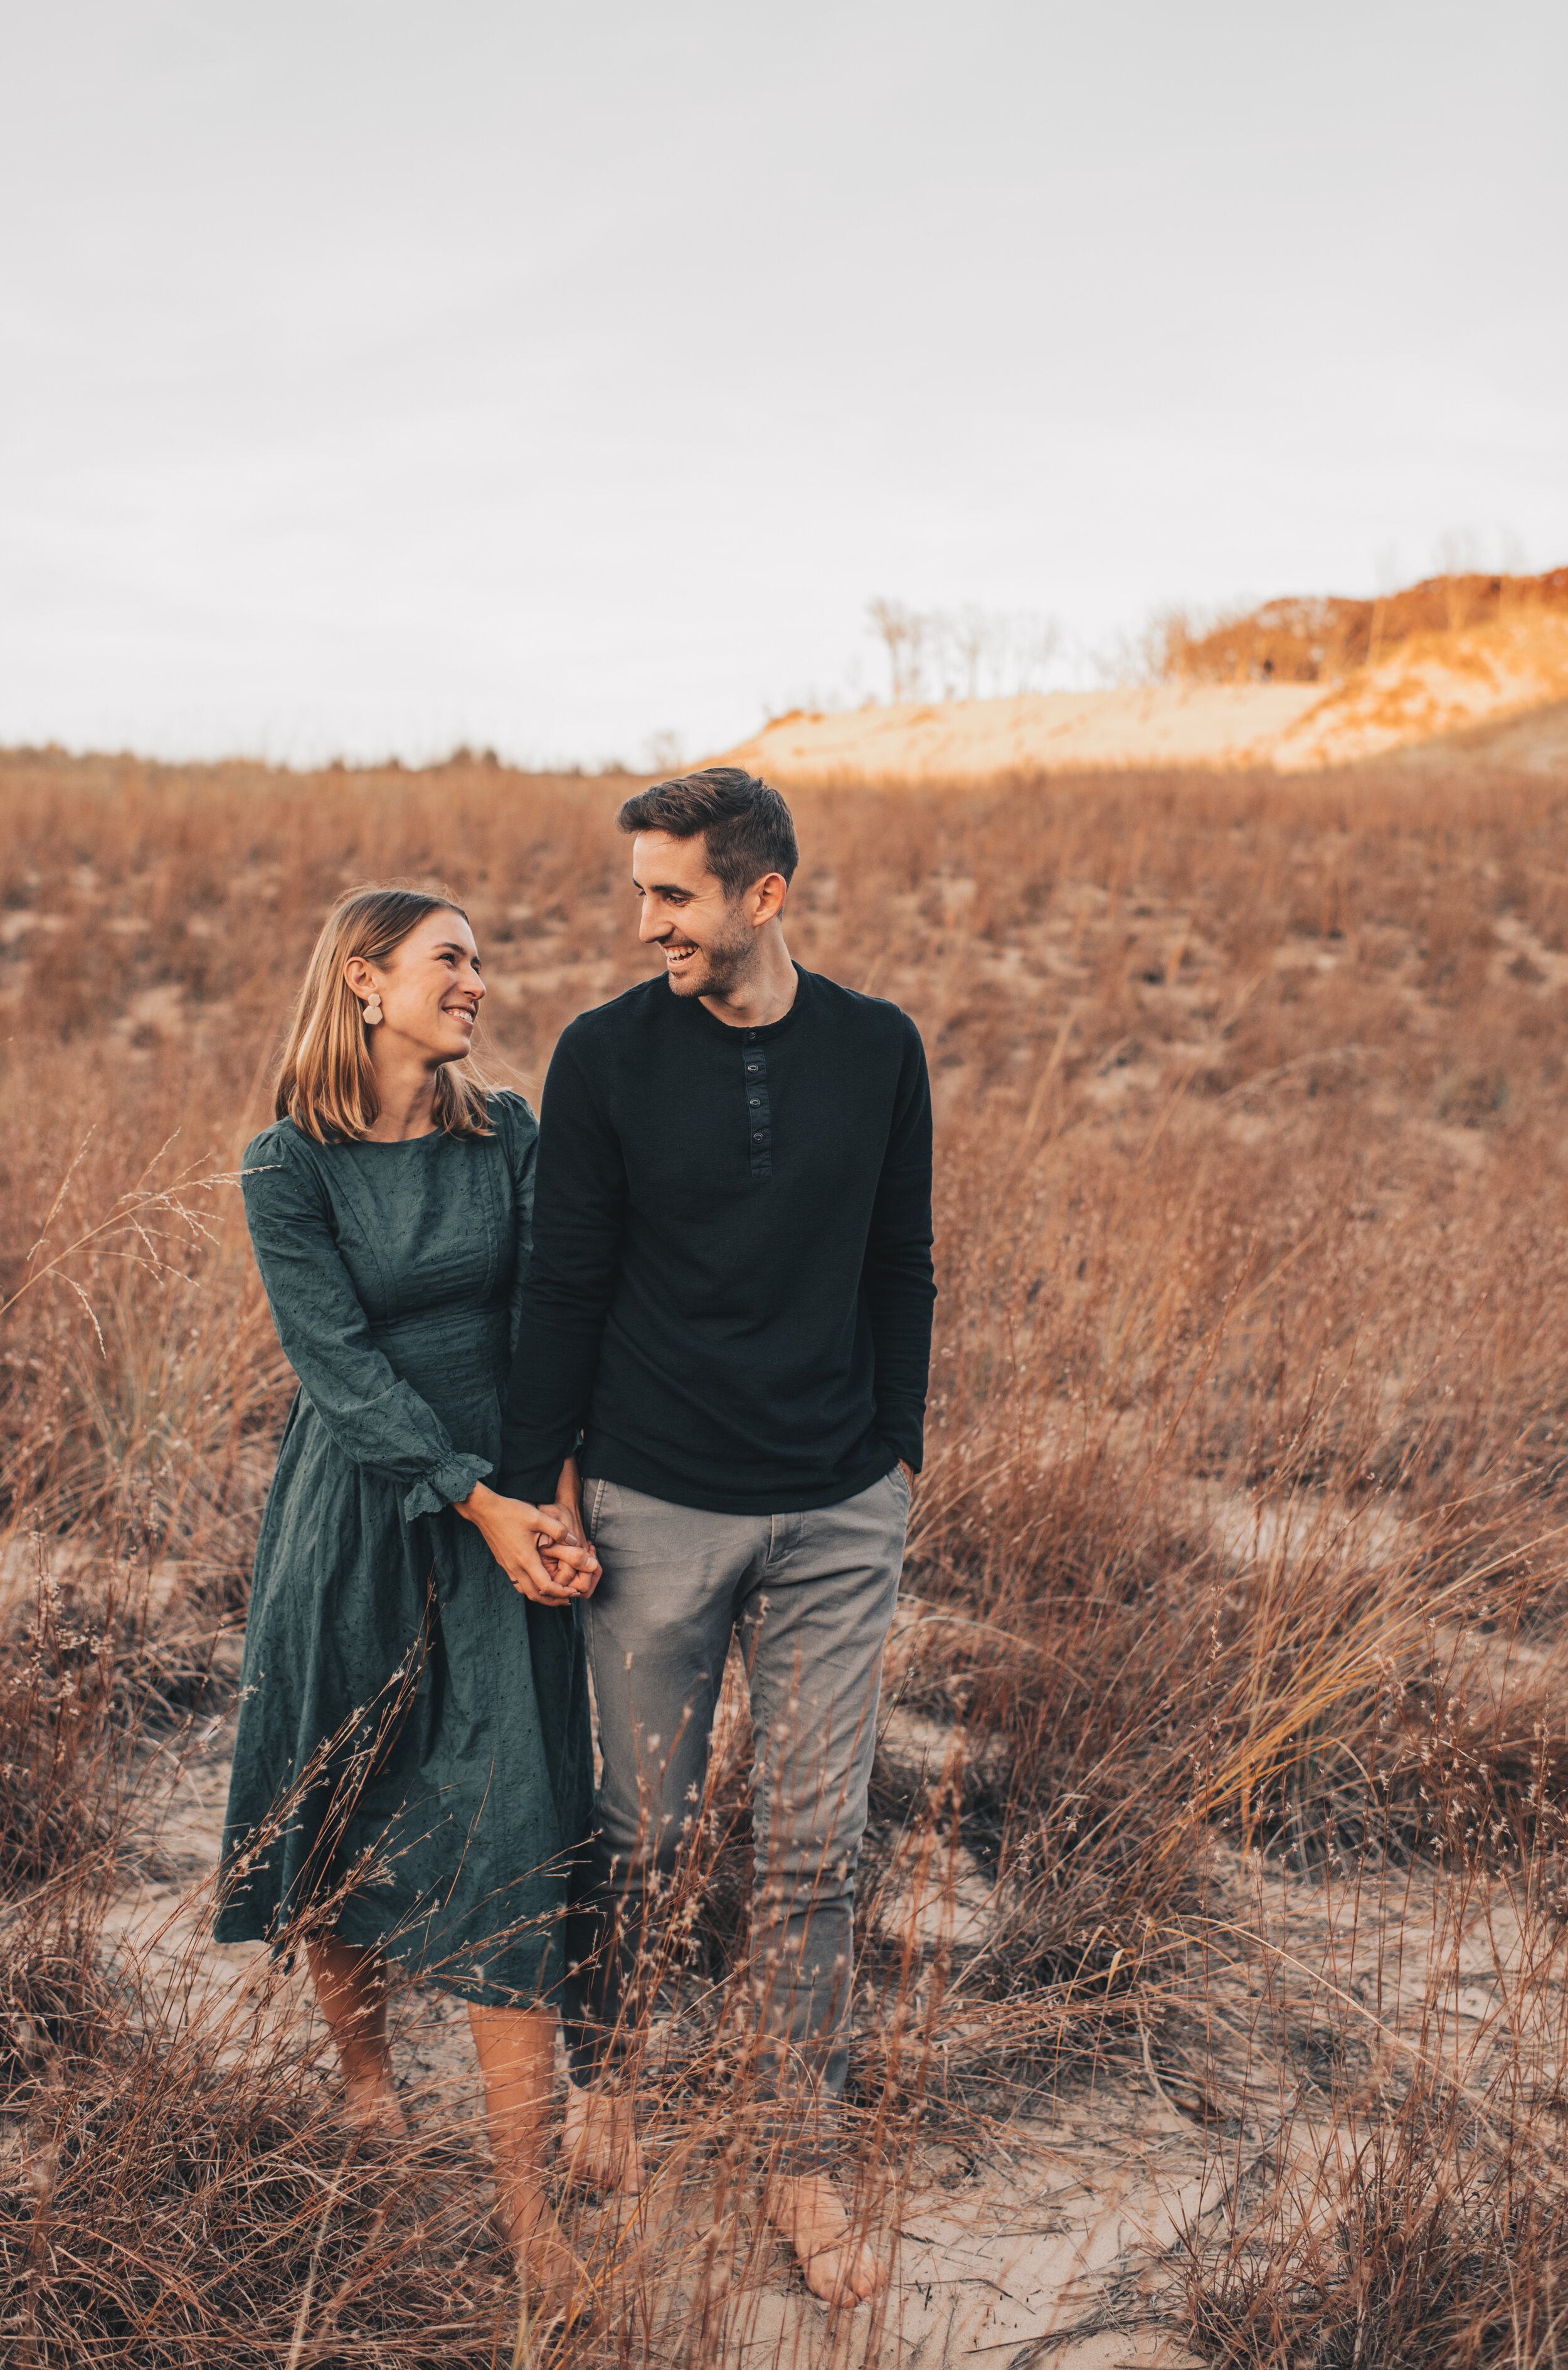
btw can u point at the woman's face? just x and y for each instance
(430, 988)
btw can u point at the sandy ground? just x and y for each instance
(1433, 687)
(1050, 2234)
(1023, 2242)
(1038, 2241)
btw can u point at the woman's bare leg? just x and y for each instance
(516, 2059)
(350, 1988)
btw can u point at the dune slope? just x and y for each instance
(1432, 684)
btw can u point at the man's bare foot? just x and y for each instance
(837, 2264)
(373, 2108)
(557, 2295)
(599, 2146)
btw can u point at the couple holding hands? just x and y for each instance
(609, 1388)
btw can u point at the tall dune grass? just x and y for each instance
(1237, 1560)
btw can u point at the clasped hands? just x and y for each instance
(543, 1550)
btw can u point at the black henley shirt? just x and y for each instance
(731, 1289)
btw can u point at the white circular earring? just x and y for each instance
(372, 1011)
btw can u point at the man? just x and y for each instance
(731, 1298)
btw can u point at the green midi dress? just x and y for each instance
(413, 1765)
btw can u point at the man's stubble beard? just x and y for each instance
(724, 966)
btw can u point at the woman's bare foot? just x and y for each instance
(599, 2146)
(551, 2276)
(837, 2264)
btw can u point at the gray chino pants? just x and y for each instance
(811, 1597)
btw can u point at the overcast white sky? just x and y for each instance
(378, 376)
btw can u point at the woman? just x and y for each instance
(414, 1692)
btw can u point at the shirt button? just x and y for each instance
(751, 1036)
(756, 1102)
(753, 1068)
(756, 1135)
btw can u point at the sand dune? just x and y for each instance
(1434, 684)
(965, 740)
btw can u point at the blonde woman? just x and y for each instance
(414, 1685)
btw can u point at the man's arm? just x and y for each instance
(900, 1284)
(577, 1207)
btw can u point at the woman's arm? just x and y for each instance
(375, 1418)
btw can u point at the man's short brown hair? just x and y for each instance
(747, 828)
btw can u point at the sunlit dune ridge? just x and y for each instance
(1430, 686)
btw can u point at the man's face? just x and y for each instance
(707, 943)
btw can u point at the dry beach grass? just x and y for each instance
(1220, 1801)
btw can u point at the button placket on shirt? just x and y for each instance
(759, 1115)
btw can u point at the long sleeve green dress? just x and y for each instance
(413, 1755)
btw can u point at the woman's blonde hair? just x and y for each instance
(327, 1085)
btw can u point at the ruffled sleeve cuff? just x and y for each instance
(447, 1485)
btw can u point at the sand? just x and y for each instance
(976, 740)
(1433, 686)
(1056, 2236)
(1040, 2240)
